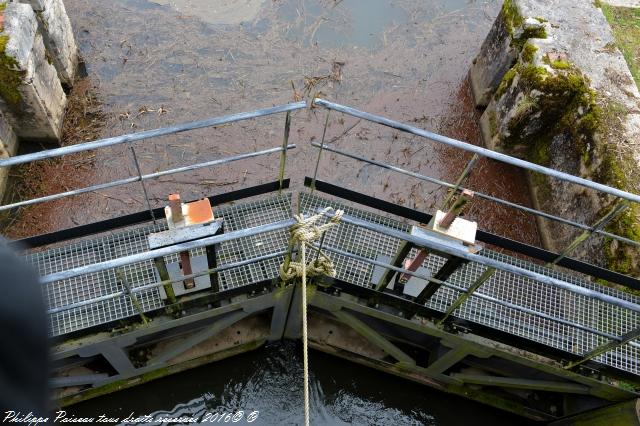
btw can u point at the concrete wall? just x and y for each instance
(567, 101)
(39, 56)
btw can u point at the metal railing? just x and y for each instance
(148, 136)
(145, 135)
(478, 152)
(621, 203)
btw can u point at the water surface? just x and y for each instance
(269, 381)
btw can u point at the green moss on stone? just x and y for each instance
(534, 32)
(557, 101)
(622, 258)
(493, 123)
(560, 65)
(528, 52)
(514, 24)
(511, 16)
(561, 101)
(540, 152)
(10, 75)
(610, 47)
(506, 82)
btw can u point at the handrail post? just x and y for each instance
(134, 299)
(283, 154)
(144, 187)
(488, 273)
(463, 176)
(315, 172)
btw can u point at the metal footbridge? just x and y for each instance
(495, 320)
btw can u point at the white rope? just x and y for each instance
(306, 231)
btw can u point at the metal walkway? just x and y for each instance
(105, 276)
(80, 289)
(502, 286)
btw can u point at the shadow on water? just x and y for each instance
(269, 381)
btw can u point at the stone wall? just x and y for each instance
(38, 56)
(565, 100)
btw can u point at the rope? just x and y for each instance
(306, 231)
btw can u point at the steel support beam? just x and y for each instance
(451, 266)
(374, 337)
(198, 337)
(398, 261)
(516, 383)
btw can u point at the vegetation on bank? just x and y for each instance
(625, 23)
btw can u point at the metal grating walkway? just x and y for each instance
(503, 285)
(132, 241)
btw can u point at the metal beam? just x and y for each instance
(177, 248)
(488, 273)
(599, 350)
(283, 153)
(80, 380)
(198, 337)
(472, 344)
(283, 297)
(118, 358)
(512, 382)
(448, 360)
(585, 235)
(374, 337)
(485, 297)
(166, 281)
(443, 274)
(463, 176)
(398, 261)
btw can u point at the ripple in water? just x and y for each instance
(268, 383)
(274, 390)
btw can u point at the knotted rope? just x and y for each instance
(305, 231)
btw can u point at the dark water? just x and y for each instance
(269, 382)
